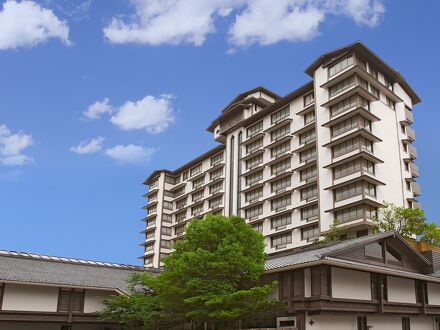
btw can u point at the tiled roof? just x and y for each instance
(43, 269)
(318, 252)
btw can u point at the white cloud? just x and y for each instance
(154, 114)
(12, 147)
(26, 24)
(130, 153)
(169, 21)
(252, 21)
(95, 110)
(88, 146)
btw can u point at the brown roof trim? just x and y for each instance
(359, 47)
(241, 96)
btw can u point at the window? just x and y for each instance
(348, 191)
(254, 178)
(149, 247)
(68, 326)
(151, 223)
(388, 83)
(307, 155)
(217, 159)
(310, 233)
(216, 174)
(391, 103)
(351, 145)
(154, 184)
(149, 234)
(310, 213)
(363, 83)
(309, 193)
(179, 230)
(179, 192)
(181, 203)
(340, 66)
(254, 145)
(199, 182)
(280, 115)
(349, 124)
(374, 91)
(280, 149)
(167, 205)
(255, 129)
(196, 170)
(373, 71)
(308, 99)
(148, 260)
(281, 241)
(308, 174)
(280, 132)
(151, 210)
(180, 216)
(347, 169)
(258, 227)
(198, 196)
(281, 202)
(170, 179)
(343, 106)
(196, 210)
(166, 231)
(71, 300)
(309, 117)
(253, 162)
(185, 175)
(405, 323)
(254, 212)
(350, 214)
(374, 252)
(215, 202)
(341, 86)
(280, 167)
(215, 188)
(254, 195)
(392, 256)
(307, 137)
(281, 221)
(281, 184)
(362, 323)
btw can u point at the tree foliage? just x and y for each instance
(213, 275)
(335, 233)
(405, 221)
(431, 234)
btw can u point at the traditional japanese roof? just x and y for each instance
(41, 269)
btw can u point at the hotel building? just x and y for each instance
(335, 148)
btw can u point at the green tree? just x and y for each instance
(405, 221)
(335, 233)
(213, 276)
(431, 234)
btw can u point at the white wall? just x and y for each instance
(385, 322)
(331, 322)
(422, 323)
(401, 290)
(307, 282)
(350, 284)
(30, 298)
(93, 300)
(433, 294)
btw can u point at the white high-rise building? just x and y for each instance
(335, 148)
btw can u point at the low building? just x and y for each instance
(375, 282)
(40, 292)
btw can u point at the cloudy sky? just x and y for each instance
(95, 94)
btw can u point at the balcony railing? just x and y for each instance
(414, 169)
(410, 133)
(415, 187)
(412, 151)
(409, 117)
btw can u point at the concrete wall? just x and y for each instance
(422, 323)
(30, 298)
(401, 290)
(433, 294)
(385, 322)
(351, 284)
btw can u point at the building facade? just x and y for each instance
(336, 148)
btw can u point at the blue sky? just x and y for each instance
(141, 81)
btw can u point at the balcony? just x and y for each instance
(416, 205)
(409, 117)
(412, 151)
(410, 133)
(414, 169)
(415, 187)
